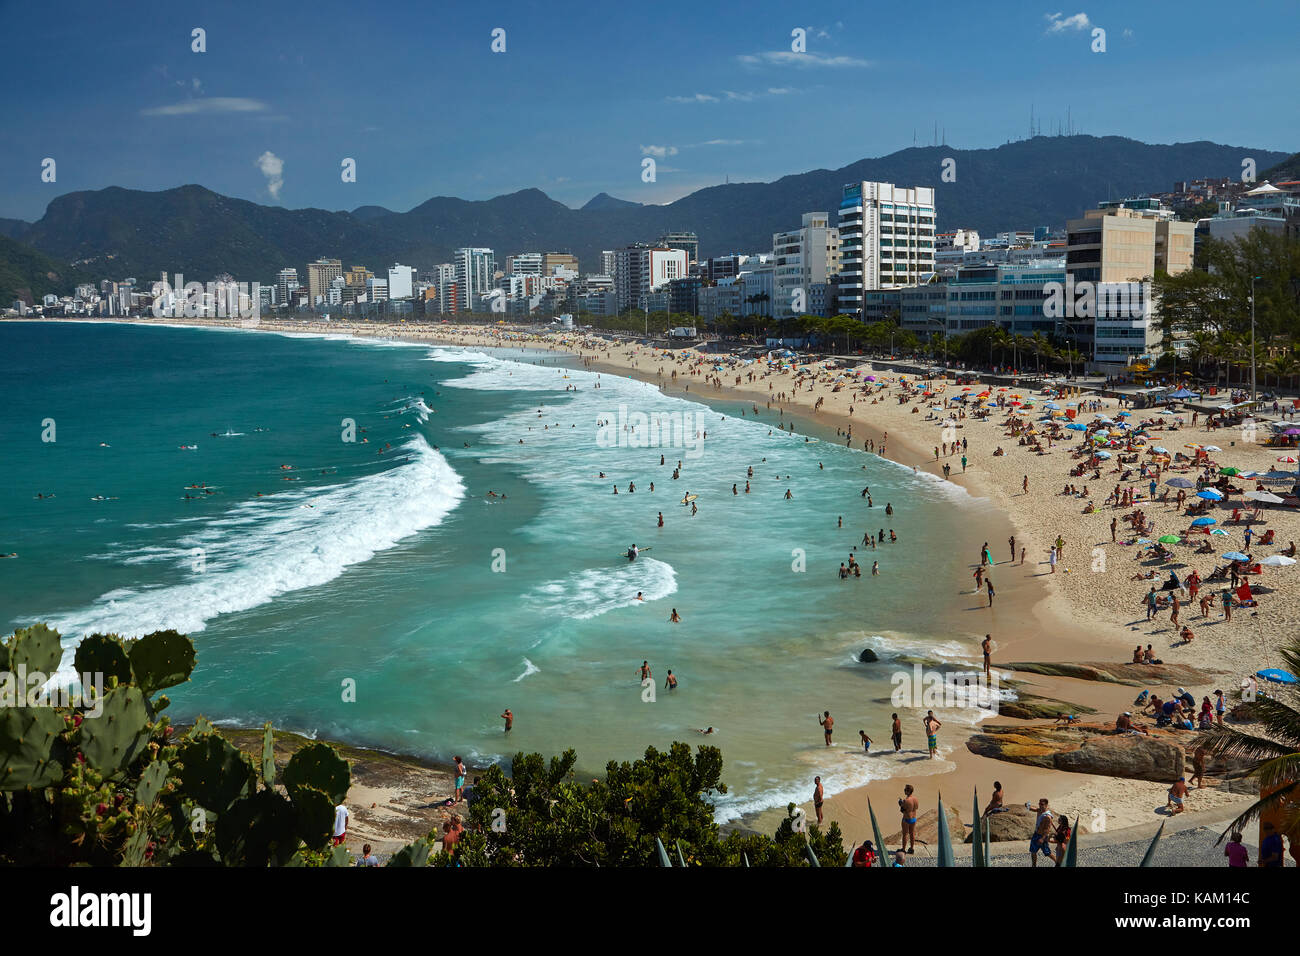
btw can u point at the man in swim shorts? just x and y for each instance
(896, 733)
(932, 726)
(908, 806)
(1042, 833)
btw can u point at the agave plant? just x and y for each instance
(1274, 753)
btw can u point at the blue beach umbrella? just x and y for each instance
(1277, 675)
(1052, 405)
(1125, 414)
(1235, 556)
(1160, 450)
(1202, 522)
(1209, 494)
(1102, 454)
(1077, 427)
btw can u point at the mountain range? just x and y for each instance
(116, 232)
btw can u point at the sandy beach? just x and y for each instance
(1090, 609)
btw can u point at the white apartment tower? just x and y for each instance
(400, 284)
(886, 239)
(802, 257)
(475, 273)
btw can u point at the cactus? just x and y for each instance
(875, 829)
(413, 854)
(33, 649)
(103, 654)
(161, 659)
(315, 815)
(112, 740)
(1150, 855)
(319, 766)
(152, 780)
(31, 751)
(663, 854)
(202, 726)
(339, 856)
(946, 857)
(133, 854)
(258, 830)
(214, 774)
(268, 755)
(810, 856)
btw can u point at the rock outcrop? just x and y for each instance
(1112, 672)
(1086, 748)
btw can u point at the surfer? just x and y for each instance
(632, 552)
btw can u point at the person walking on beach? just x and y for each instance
(908, 806)
(1011, 543)
(1022, 555)
(932, 726)
(1051, 558)
(979, 578)
(1151, 603)
(1113, 525)
(819, 795)
(988, 584)
(984, 554)
(986, 646)
(340, 832)
(828, 725)
(1025, 484)
(896, 733)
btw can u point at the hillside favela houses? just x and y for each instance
(881, 256)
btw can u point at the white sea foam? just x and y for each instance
(594, 591)
(529, 669)
(272, 546)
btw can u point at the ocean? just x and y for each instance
(390, 544)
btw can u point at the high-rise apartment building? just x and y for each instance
(558, 260)
(357, 275)
(524, 264)
(400, 281)
(803, 257)
(286, 285)
(319, 276)
(886, 239)
(475, 274)
(607, 257)
(688, 242)
(1115, 248)
(641, 269)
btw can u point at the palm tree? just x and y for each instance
(1284, 366)
(1275, 754)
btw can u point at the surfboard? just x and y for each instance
(639, 552)
(688, 499)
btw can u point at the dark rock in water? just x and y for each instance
(1033, 707)
(868, 656)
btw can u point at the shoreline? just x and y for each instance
(1029, 609)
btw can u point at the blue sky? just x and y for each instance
(414, 93)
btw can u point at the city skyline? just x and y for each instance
(575, 103)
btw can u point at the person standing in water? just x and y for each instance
(828, 725)
(896, 733)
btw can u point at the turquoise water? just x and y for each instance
(384, 565)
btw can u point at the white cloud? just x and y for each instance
(734, 96)
(272, 167)
(805, 60)
(1127, 34)
(697, 98)
(659, 152)
(1059, 23)
(212, 104)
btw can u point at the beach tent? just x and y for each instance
(1184, 393)
(1278, 561)
(1209, 494)
(1101, 454)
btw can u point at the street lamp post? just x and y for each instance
(1254, 395)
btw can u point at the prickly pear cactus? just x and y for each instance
(31, 751)
(214, 774)
(268, 755)
(113, 739)
(161, 659)
(34, 649)
(103, 654)
(319, 766)
(413, 854)
(152, 780)
(315, 812)
(258, 830)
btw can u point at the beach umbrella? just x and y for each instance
(1169, 539)
(1235, 556)
(1160, 450)
(1219, 531)
(1051, 405)
(1101, 454)
(1143, 541)
(1213, 448)
(1288, 460)
(1180, 483)
(1230, 471)
(1292, 431)
(1203, 522)
(1077, 427)
(1277, 675)
(1278, 561)
(1125, 414)
(1267, 496)
(1209, 494)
